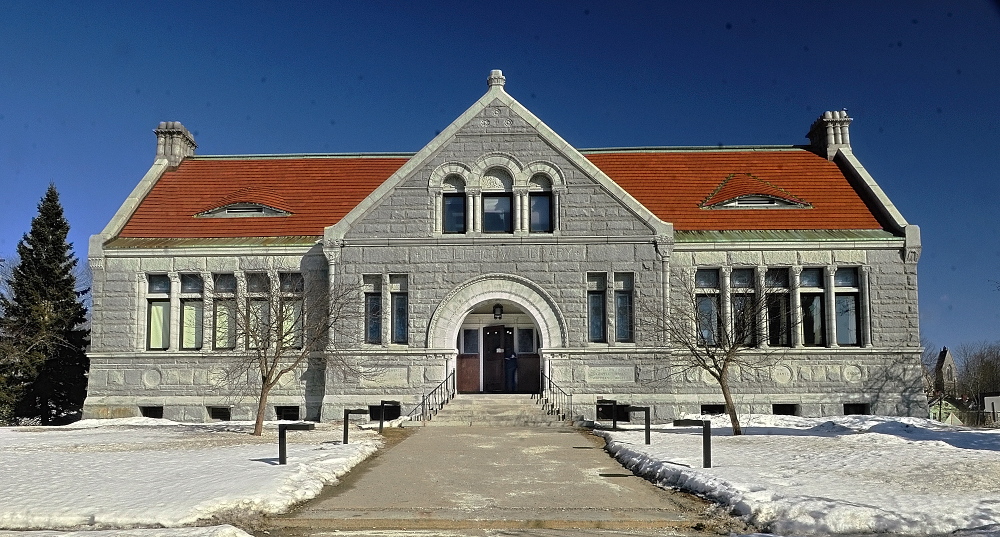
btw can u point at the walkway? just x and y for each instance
(472, 478)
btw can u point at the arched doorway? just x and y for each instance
(468, 323)
(498, 350)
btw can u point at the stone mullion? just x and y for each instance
(438, 211)
(863, 298)
(831, 306)
(796, 305)
(175, 320)
(760, 308)
(725, 303)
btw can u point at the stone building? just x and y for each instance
(499, 236)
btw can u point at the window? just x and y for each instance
(373, 309)
(497, 213)
(540, 204)
(291, 285)
(454, 213)
(158, 312)
(709, 321)
(713, 410)
(219, 413)
(785, 409)
(778, 305)
(813, 325)
(258, 282)
(192, 312)
(846, 301)
(258, 323)
(526, 340)
(151, 412)
(291, 282)
(224, 314)
(596, 289)
(399, 318)
(470, 341)
(624, 315)
(287, 413)
(744, 305)
(856, 408)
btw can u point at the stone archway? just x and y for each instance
(445, 322)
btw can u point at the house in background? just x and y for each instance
(500, 240)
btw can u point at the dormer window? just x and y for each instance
(747, 191)
(754, 201)
(243, 210)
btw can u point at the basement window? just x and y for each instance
(287, 413)
(713, 410)
(781, 409)
(862, 409)
(219, 413)
(151, 411)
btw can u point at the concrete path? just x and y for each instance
(471, 478)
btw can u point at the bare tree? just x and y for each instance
(275, 324)
(978, 368)
(734, 336)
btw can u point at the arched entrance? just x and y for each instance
(499, 326)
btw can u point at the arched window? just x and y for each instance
(453, 204)
(498, 201)
(540, 204)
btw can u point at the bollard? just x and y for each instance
(706, 439)
(282, 427)
(644, 410)
(347, 418)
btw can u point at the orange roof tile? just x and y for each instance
(317, 191)
(672, 184)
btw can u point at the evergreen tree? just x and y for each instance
(43, 366)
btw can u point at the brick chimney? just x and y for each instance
(829, 133)
(173, 142)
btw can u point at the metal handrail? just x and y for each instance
(554, 399)
(435, 400)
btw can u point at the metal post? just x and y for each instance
(347, 419)
(646, 412)
(282, 454)
(706, 439)
(614, 414)
(381, 416)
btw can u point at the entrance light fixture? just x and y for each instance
(498, 311)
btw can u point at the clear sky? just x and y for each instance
(82, 85)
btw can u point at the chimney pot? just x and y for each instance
(496, 78)
(173, 142)
(830, 133)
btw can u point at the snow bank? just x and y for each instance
(144, 472)
(853, 474)
(208, 531)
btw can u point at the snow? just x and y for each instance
(126, 473)
(848, 475)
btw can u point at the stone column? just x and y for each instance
(831, 306)
(725, 302)
(796, 305)
(761, 307)
(864, 298)
(176, 321)
(477, 210)
(438, 211)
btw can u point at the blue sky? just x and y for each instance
(82, 85)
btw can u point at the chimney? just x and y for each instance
(829, 133)
(496, 78)
(173, 142)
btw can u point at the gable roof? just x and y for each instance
(317, 191)
(673, 184)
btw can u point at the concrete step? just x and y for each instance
(494, 410)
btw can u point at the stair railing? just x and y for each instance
(435, 400)
(555, 400)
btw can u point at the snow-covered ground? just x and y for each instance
(143, 472)
(851, 474)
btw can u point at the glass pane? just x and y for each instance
(741, 278)
(159, 324)
(191, 283)
(708, 319)
(259, 321)
(454, 214)
(526, 340)
(846, 277)
(291, 323)
(159, 283)
(258, 282)
(595, 310)
(399, 318)
(623, 316)
(778, 320)
(811, 277)
(497, 214)
(776, 278)
(225, 318)
(812, 320)
(847, 319)
(707, 278)
(541, 213)
(373, 318)
(470, 341)
(225, 283)
(744, 319)
(191, 324)
(291, 282)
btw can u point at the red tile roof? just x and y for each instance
(672, 184)
(319, 191)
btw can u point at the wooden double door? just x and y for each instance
(498, 374)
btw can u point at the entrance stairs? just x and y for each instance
(495, 410)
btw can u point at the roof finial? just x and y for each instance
(496, 78)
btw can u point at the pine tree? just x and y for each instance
(43, 366)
